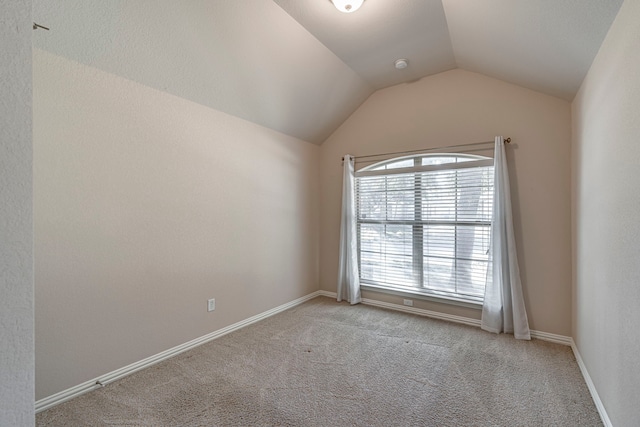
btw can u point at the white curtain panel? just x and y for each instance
(503, 309)
(348, 277)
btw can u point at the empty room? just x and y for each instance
(320, 212)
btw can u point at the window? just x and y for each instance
(424, 224)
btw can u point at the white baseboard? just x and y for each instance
(412, 310)
(592, 388)
(544, 336)
(103, 380)
(422, 312)
(327, 294)
(547, 336)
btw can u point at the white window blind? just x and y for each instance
(424, 223)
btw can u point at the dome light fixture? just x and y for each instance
(347, 6)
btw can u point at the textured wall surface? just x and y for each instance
(16, 237)
(459, 107)
(145, 206)
(606, 203)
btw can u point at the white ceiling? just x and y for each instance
(544, 45)
(301, 67)
(381, 31)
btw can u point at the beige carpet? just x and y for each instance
(329, 364)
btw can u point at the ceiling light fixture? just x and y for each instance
(347, 6)
(402, 64)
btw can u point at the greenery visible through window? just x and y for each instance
(424, 224)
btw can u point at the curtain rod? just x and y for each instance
(506, 140)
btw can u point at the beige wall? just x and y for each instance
(16, 230)
(145, 206)
(462, 107)
(606, 205)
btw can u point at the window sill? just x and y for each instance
(404, 292)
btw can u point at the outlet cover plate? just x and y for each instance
(211, 304)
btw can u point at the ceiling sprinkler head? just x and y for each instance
(402, 63)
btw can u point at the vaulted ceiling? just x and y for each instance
(301, 67)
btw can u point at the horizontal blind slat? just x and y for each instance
(443, 210)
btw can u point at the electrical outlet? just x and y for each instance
(211, 304)
(408, 302)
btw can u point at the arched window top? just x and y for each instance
(423, 160)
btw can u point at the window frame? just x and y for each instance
(381, 168)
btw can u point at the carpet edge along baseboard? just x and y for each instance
(72, 392)
(101, 381)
